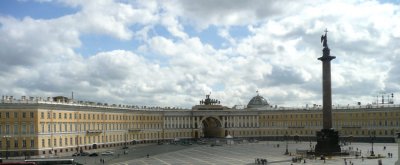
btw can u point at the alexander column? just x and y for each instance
(327, 138)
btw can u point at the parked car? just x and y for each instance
(125, 147)
(107, 153)
(76, 154)
(84, 153)
(93, 154)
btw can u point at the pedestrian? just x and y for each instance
(148, 155)
(101, 161)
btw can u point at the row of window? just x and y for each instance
(16, 115)
(368, 123)
(70, 127)
(65, 115)
(9, 141)
(76, 141)
(18, 128)
(369, 114)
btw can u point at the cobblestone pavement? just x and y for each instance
(239, 154)
(235, 154)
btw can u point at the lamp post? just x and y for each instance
(125, 140)
(77, 144)
(286, 139)
(372, 137)
(398, 148)
(7, 137)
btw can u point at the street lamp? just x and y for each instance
(286, 139)
(7, 137)
(77, 143)
(372, 137)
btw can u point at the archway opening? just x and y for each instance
(212, 128)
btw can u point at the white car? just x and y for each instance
(107, 153)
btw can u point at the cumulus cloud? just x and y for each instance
(277, 55)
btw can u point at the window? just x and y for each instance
(8, 143)
(42, 115)
(15, 114)
(54, 115)
(42, 126)
(66, 141)
(65, 116)
(24, 143)
(48, 115)
(31, 115)
(60, 142)
(23, 129)
(59, 115)
(33, 143)
(15, 128)
(0, 114)
(7, 115)
(15, 143)
(23, 114)
(31, 128)
(48, 143)
(70, 116)
(7, 129)
(43, 143)
(55, 142)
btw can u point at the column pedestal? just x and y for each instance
(327, 142)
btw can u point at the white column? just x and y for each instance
(257, 122)
(223, 122)
(177, 123)
(253, 123)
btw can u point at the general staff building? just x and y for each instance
(36, 126)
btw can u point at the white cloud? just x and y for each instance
(278, 57)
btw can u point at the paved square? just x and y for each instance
(245, 153)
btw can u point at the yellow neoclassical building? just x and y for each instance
(37, 126)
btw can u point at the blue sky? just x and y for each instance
(172, 53)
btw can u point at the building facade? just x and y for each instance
(35, 126)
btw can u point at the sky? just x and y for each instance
(172, 53)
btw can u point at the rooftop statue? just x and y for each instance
(324, 39)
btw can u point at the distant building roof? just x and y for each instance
(257, 102)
